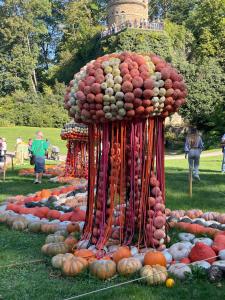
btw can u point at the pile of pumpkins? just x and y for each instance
(197, 215)
(35, 224)
(151, 266)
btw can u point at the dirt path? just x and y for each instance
(181, 156)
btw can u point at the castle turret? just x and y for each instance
(120, 11)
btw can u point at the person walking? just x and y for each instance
(193, 148)
(223, 150)
(39, 148)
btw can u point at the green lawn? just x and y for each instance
(40, 281)
(11, 133)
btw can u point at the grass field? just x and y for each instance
(41, 282)
(52, 134)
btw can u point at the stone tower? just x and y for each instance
(120, 11)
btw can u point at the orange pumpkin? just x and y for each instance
(122, 252)
(73, 227)
(70, 241)
(45, 194)
(85, 253)
(154, 258)
(53, 214)
(66, 216)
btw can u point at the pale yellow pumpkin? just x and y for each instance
(128, 266)
(52, 238)
(103, 269)
(49, 228)
(59, 259)
(154, 275)
(74, 266)
(54, 248)
(34, 226)
(19, 225)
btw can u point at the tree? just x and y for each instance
(207, 23)
(21, 29)
(206, 92)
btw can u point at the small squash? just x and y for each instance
(19, 225)
(74, 266)
(52, 238)
(85, 253)
(59, 259)
(54, 248)
(34, 226)
(154, 275)
(155, 258)
(70, 241)
(49, 228)
(73, 227)
(128, 266)
(122, 252)
(103, 269)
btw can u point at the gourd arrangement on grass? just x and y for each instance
(77, 150)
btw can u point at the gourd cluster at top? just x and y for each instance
(125, 86)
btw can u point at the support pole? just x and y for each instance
(190, 179)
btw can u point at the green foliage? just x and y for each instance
(207, 22)
(35, 109)
(21, 29)
(206, 93)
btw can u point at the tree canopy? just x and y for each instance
(43, 42)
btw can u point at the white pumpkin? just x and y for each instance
(184, 236)
(180, 270)
(180, 250)
(202, 264)
(222, 254)
(168, 256)
(220, 264)
(206, 241)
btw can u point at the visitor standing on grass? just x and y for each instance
(223, 150)
(193, 148)
(39, 148)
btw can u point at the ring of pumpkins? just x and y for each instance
(153, 272)
(125, 86)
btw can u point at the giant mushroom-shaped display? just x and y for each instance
(125, 98)
(77, 152)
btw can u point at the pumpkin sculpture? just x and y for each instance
(125, 98)
(74, 266)
(155, 258)
(54, 248)
(103, 269)
(128, 266)
(154, 275)
(122, 252)
(58, 260)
